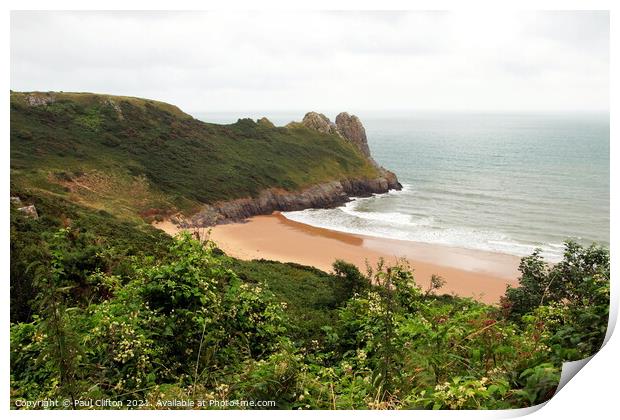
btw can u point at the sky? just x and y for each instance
(281, 61)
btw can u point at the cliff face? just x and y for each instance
(325, 195)
(351, 128)
(319, 122)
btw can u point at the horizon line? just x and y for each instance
(404, 110)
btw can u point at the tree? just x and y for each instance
(568, 281)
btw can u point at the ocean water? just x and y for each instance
(508, 183)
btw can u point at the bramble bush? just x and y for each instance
(193, 323)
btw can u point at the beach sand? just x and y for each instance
(468, 273)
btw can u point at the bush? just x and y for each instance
(188, 322)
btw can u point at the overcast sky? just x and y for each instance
(228, 61)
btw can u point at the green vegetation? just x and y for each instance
(104, 306)
(123, 312)
(134, 156)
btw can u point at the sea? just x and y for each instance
(502, 182)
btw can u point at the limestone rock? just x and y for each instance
(326, 195)
(111, 103)
(391, 179)
(319, 122)
(16, 201)
(265, 122)
(347, 126)
(29, 211)
(351, 128)
(38, 99)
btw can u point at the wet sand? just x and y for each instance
(478, 274)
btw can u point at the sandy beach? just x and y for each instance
(470, 273)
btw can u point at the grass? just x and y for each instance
(178, 161)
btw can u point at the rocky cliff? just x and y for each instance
(320, 123)
(351, 128)
(325, 195)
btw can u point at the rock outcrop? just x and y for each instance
(265, 122)
(350, 127)
(29, 211)
(111, 103)
(324, 195)
(319, 122)
(38, 99)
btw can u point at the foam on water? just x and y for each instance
(507, 183)
(502, 183)
(404, 227)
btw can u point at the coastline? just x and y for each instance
(468, 273)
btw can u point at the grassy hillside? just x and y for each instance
(106, 307)
(129, 155)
